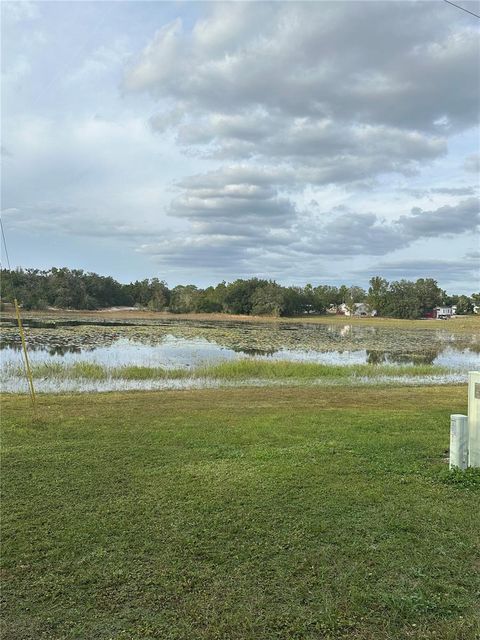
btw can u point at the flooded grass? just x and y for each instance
(147, 373)
(237, 370)
(266, 370)
(86, 377)
(179, 353)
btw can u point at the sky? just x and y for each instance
(320, 142)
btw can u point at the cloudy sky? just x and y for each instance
(320, 142)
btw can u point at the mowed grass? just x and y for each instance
(234, 370)
(293, 513)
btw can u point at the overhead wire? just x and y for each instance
(462, 8)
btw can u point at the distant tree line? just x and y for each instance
(75, 289)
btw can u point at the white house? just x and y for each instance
(359, 309)
(444, 312)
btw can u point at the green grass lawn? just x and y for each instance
(243, 514)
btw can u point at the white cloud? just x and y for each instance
(246, 138)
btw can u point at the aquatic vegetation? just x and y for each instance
(256, 338)
(146, 373)
(166, 352)
(236, 370)
(261, 369)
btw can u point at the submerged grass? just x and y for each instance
(237, 370)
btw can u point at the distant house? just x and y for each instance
(442, 313)
(363, 309)
(359, 309)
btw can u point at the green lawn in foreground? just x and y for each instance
(241, 514)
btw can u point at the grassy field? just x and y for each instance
(246, 514)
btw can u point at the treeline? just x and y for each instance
(75, 289)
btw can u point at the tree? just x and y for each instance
(268, 300)
(211, 299)
(353, 296)
(184, 299)
(464, 305)
(159, 295)
(429, 294)
(297, 301)
(377, 297)
(238, 295)
(404, 301)
(476, 301)
(325, 296)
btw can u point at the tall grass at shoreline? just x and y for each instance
(237, 370)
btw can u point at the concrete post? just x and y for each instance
(474, 419)
(458, 441)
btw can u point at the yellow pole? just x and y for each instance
(28, 370)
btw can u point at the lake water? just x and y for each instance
(184, 344)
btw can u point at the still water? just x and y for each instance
(178, 344)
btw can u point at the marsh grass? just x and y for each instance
(131, 372)
(235, 370)
(274, 370)
(75, 371)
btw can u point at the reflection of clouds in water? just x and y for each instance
(175, 352)
(174, 343)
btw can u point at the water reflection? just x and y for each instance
(255, 352)
(389, 357)
(174, 343)
(56, 350)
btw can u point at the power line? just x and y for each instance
(5, 244)
(462, 8)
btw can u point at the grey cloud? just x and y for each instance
(359, 234)
(215, 252)
(321, 150)
(442, 270)
(472, 163)
(407, 65)
(454, 191)
(447, 220)
(342, 92)
(241, 210)
(473, 255)
(221, 207)
(242, 174)
(352, 234)
(70, 221)
(232, 196)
